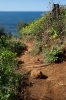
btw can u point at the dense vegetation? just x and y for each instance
(49, 35)
(9, 80)
(12, 45)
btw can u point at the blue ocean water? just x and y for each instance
(10, 19)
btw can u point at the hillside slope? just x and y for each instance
(46, 52)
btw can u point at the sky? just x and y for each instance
(28, 5)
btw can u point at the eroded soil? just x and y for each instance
(51, 88)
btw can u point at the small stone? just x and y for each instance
(37, 74)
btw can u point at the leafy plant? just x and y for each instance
(8, 79)
(33, 29)
(52, 55)
(14, 46)
(53, 33)
(37, 48)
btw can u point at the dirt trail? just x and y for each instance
(30, 62)
(52, 88)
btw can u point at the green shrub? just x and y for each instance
(53, 33)
(37, 48)
(53, 55)
(8, 79)
(34, 28)
(14, 46)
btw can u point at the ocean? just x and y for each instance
(10, 19)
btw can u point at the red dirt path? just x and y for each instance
(52, 88)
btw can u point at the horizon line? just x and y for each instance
(23, 11)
